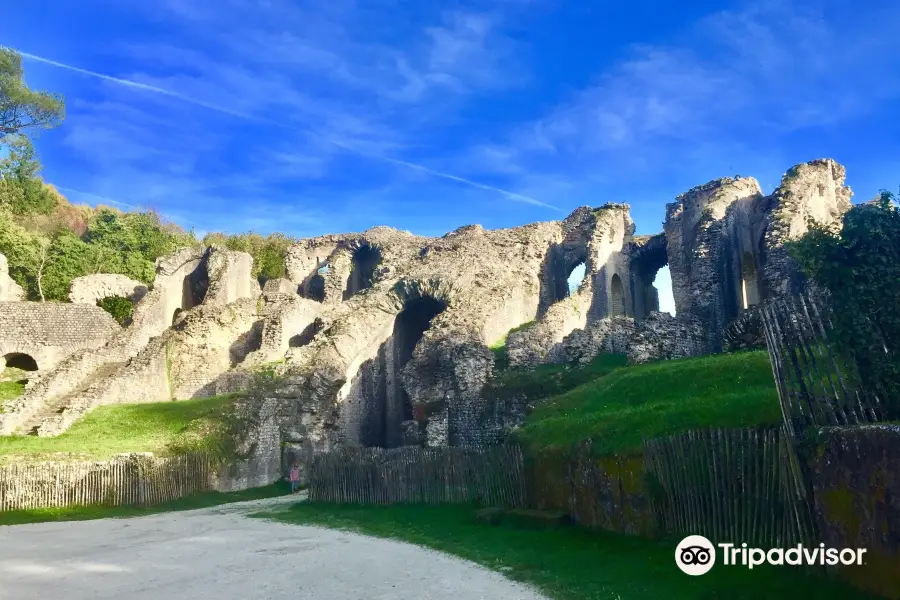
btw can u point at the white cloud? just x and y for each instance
(773, 67)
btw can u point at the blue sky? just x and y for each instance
(315, 117)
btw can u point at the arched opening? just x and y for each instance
(362, 270)
(193, 288)
(314, 287)
(176, 314)
(651, 281)
(576, 277)
(749, 281)
(383, 403)
(616, 297)
(562, 272)
(21, 361)
(662, 283)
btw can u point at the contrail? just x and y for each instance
(224, 110)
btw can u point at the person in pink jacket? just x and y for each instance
(295, 478)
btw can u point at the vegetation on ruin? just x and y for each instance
(192, 502)
(268, 251)
(159, 427)
(12, 384)
(857, 261)
(565, 563)
(618, 410)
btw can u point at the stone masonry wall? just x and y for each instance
(51, 331)
(813, 190)
(92, 288)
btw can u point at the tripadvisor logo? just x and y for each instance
(696, 555)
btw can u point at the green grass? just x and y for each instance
(567, 563)
(86, 513)
(545, 381)
(109, 430)
(619, 409)
(12, 384)
(10, 390)
(501, 354)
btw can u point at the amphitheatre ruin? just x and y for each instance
(383, 338)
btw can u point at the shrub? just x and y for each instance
(858, 262)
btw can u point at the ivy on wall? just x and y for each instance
(858, 263)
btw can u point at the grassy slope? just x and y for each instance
(10, 390)
(619, 409)
(567, 563)
(86, 513)
(110, 430)
(545, 381)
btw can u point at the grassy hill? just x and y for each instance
(619, 408)
(158, 427)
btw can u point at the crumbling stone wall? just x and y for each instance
(660, 336)
(229, 276)
(726, 240)
(813, 190)
(856, 492)
(697, 235)
(10, 291)
(341, 320)
(50, 331)
(131, 365)
(90, 289)
(596, 238)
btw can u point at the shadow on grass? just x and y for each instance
(566, 562)
(195, 501)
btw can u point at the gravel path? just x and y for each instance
(219, 553)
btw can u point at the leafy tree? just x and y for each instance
(22, 108)
(130, 243)
(25, 192)
(858, 262)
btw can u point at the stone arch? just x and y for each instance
(377, 401)
(749, 281)
(20, 360)
(314, 288)
(176, 314)
(364, 262)
(616, 297)
(648, 256)
(559, 263)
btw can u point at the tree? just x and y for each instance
(22, 108)
(858, 262)
(23, 191)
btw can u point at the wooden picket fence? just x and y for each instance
(492, 476)
(816, 385)
(135, 480)
(740, 485)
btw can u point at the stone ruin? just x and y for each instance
(383, 338)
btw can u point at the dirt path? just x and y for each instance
(221, 554)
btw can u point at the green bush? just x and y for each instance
(859, 264)
(268, 252)
(120, 308)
